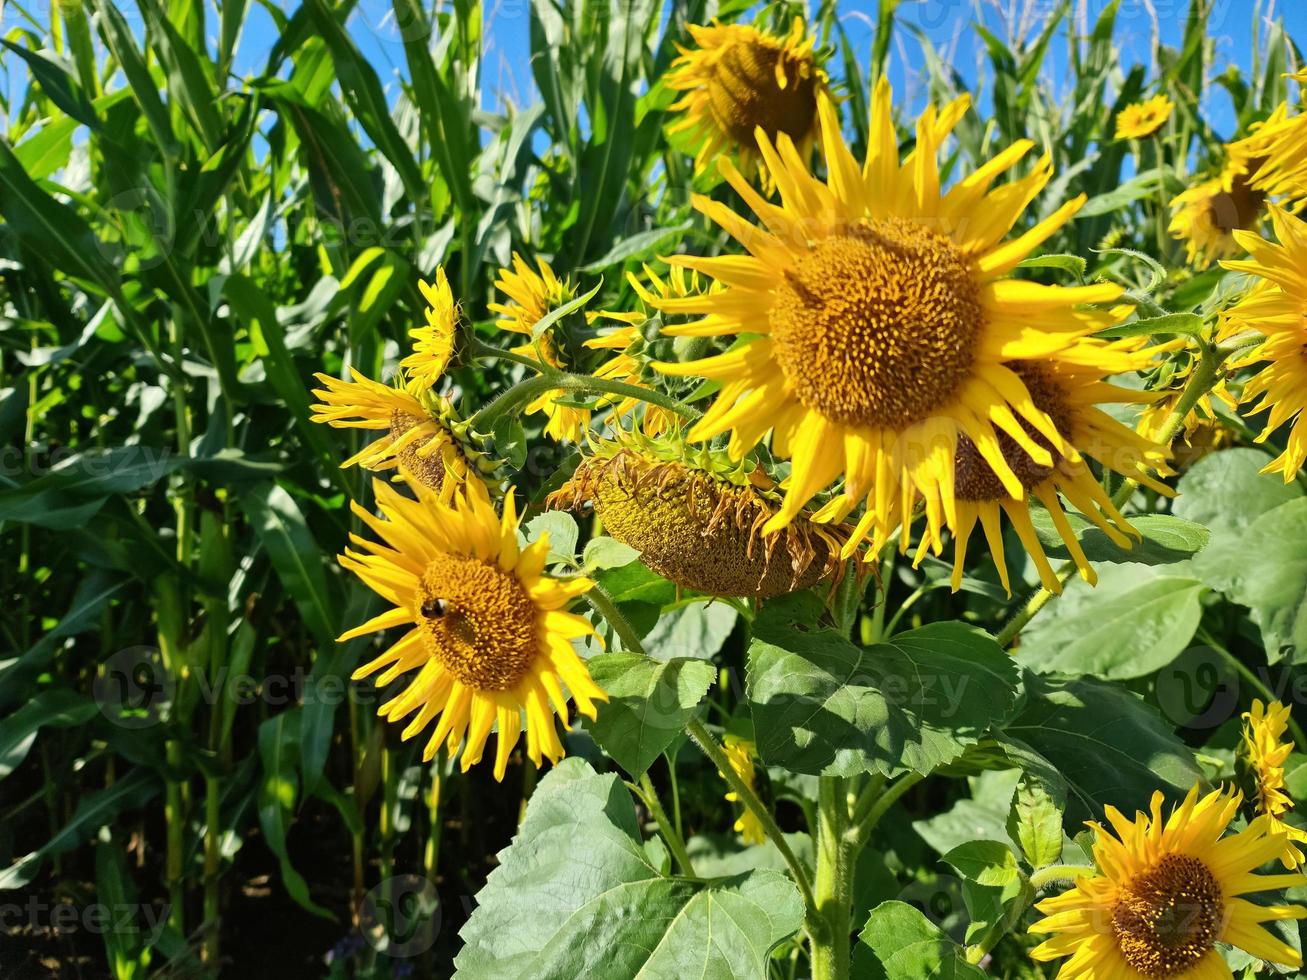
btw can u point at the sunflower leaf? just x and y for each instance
(649, 703)
(899, 941)
(915, 702)
(576, 895)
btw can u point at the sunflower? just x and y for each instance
(740, 753)
(877, 326)
(738, 81)
(629, 363)
(1168, 889)
(1201, 427)
(488, 632)
(433, 345)
(1276, 307)
(1278, 147)
(424, 438)
(531, 296)
(1206, 216)
(1264, 752)
(696, 520)
(1143, 118)
(1068, 389)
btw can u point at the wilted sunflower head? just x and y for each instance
(738, 81)
(424, 438)
(1067, 389)
(433, 344)
(1143, 118)
(1166, 891)
(1263, 752)
(697, 519)
(487, 632)
(874, 319)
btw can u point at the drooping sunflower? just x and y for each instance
(531, 295)
(433, 344)
(737, 81)
(1277, 308)
(1168, 889)
(489, 635)
(696, 519)
(1264, 751)
(1068, 388)
(424, 437)
(1143, 118)
(630, 362)
(877, 323)
(739, 753)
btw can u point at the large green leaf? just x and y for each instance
(1226, 492)
(899, 942)
(1165, 539)
(649, 704)
(575, 896)
(824, 706)
(1100, 741)
(1135, 622)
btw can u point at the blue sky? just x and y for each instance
(947, 23)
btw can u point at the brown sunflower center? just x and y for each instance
(877, 326)
(1166, 919)
(478, 621)
(743, 92)
(1241, 206)
(975, 479)
(428, 470)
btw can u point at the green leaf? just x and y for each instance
(986, 862)
(903, 943)
(649, 704)
(1166, 539)
(279, 738)
(58, 707)
(636, 246)
(826, 707)
(553, 316)
(1103, 742)
(979, 817)
(1188, 324)
(1035, 823)
(1136, 621)
(1067, 263)
(1226, 491)
(125, 941)
(1144, 185)
(58, 86)
(562, 530)
(696, 630)
(295, 555)
(575, 895)
(1265, 569)
(606, 552)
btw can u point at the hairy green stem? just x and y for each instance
(833, 892)
(524, 391)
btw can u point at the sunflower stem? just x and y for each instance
(675, 843)
(603, 604)
(1249, 675)
(476, 348)
(528, 388)
(834, 885)
(708, 745)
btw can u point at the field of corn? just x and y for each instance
(703, 489)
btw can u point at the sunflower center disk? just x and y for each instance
(428, 470)
(974, 478)
(1239, 207)
(1166, 919)
(478, 622)
(877, 327)
(743, 94)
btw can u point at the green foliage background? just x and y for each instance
(181, 249)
